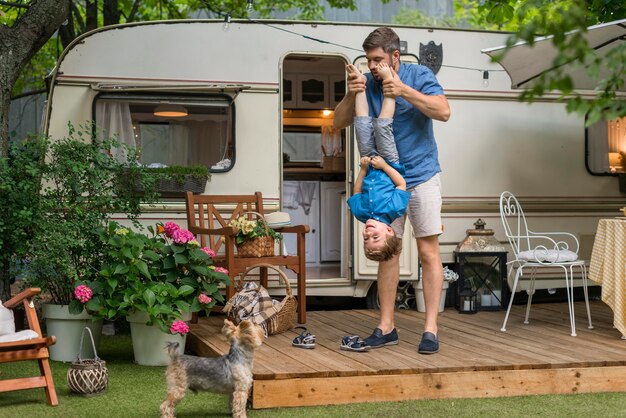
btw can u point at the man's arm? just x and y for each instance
(344, 112)
(435, 107)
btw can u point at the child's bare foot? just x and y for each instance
(383, 71)
(353, 72)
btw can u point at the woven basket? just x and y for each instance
(257, 246)
(285, 318)
(188, 184)
(90, 376)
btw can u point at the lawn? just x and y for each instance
(137, 391)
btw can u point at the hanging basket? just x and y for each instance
(257, 246)
(87, 377)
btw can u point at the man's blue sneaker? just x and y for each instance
(377, 339)
(429, 344)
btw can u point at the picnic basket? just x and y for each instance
(258, 246)
(283, 315)
(87, 376)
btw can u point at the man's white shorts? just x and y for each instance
(424, 210)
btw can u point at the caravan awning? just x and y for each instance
(230, 89)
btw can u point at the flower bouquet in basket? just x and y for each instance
(254, 238)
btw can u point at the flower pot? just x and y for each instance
(67, 328)
(149, 342)
(419, 296)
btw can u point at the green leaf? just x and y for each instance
(183, 306)
(149, 297)
(75, 307)
(186, 290)
(121, 269)
(151, 255)
(181, 259)
(143, 268)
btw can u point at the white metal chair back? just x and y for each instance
(514, 223)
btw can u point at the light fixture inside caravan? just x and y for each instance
(170, 110)
(327, 112)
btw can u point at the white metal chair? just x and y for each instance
(535, 250)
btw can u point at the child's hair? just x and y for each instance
(393, 246)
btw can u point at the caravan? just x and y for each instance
(254, 102)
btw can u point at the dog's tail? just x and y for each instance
(172, 349)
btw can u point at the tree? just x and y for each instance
(18, 44)
(530, 18)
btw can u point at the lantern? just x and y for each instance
(468, 302)
(480, 261)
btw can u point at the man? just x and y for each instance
(419, 100)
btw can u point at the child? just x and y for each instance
(380, 194)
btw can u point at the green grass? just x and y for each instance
(137, 391)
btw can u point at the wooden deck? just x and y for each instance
(475, 359)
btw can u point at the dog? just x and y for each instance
(231, 373)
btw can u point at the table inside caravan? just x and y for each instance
(608, 267)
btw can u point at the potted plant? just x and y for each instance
(254, 238)
(80, 191)
(449, 276)
(157, 281)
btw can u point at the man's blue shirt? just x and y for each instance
(412, 130)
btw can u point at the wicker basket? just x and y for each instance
(90, 376)
(257, 246)
(285, 318)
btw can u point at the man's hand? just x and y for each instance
(378, 162)
(392, 86)
(364, 162)
(356, 80)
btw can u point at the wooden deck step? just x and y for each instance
(476, 359)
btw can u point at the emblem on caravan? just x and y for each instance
(431, 55)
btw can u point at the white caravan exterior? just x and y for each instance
(490, 144)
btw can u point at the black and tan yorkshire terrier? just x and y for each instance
(231, 373)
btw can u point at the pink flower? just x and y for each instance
(209, 251)
(170, 228)
(83, 293)
(221, 270)
(202, 298)
(179, 327)
(182, 236)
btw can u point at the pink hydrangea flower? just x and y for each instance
(221, 270)
(179, 327)
(83, 293)
(209, 251)
(182, 236)
(202, 298)
(170, 228)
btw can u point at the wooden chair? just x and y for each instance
(208, 217)
(34, 347)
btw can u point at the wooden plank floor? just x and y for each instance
(476, 359)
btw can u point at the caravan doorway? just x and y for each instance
(314, 163)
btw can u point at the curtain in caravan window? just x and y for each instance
(598, 147)
(178, 145)
(114, 120)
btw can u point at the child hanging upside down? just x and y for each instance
(379, 194)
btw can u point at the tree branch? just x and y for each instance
(12, 4)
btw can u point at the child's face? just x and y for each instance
(375, 234)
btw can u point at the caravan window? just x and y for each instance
(184, 131)
(606, 147)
